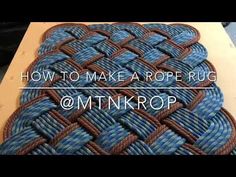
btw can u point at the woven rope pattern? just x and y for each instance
(195, 124)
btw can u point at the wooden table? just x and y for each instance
(222, 53)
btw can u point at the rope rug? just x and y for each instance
(196, 124)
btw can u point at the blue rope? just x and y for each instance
(42, 127)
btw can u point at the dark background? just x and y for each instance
(11, 34)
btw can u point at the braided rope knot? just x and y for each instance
(194, 124)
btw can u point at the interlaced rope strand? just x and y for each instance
(195, 124)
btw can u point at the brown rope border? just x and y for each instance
(225, 149)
